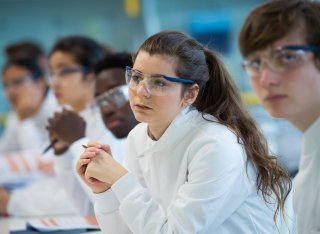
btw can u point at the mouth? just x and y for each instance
(142, 107)
(113, 123)
(57, 95)
(275, 97)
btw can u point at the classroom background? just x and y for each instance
(124, 24)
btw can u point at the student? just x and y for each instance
(27, 91)
(27, 50)
(197, 163)
(71, 63)
(112, 100)
(281, 46)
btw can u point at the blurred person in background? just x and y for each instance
(24, 136)
(112, 99)
(27, 50)
(72, 79)
(32, 103)
(280, 42)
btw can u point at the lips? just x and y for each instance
(112, 123)
(275, 97)
(141, 106)
(58, 95)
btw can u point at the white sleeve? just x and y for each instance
(107, 213)
(216, 185)
(72, 183)
(76, 150)
(8, 140)
(20, 167)
(29, 135)
(42, 198)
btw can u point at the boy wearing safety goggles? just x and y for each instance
(281, 46)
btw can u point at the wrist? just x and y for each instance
(120, 173)
(73, 139)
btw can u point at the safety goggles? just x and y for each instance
(156, 84)
(113, 98)
(281, 59)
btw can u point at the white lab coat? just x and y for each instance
(306, 185)
(65, 165)
(194, 179)
(50, 192)
(29, 134)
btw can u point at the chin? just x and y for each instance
(140, 118)
(277, 114)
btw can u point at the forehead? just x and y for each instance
(155, 64)
(294, 38)
(61, 59)
(109, 79)
(15, 71)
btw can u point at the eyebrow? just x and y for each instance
(151, 75)
(62, 65)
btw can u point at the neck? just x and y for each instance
(304, 122)
(82, 104)
(155, 132)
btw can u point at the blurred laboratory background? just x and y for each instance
(124, 24)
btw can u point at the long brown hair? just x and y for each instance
(219, 97)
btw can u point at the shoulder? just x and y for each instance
(207, 126)
(138, 132)
(209, 136)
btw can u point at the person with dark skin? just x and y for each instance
(112, 99)
(72, 79)
(69, 127)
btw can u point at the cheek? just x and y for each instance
(131, 97)
(256, 87)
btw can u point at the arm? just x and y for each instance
(4, 200)
(8, 140)
(81, 197)
(215, 187)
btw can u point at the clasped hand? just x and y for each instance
(97, 168)
(65, 128)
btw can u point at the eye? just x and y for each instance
(136, 78)
(254, 64)
(64, 72)
(159, 82)
(286, 57)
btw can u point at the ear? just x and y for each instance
(190, 95)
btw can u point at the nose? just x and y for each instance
(142, 89)
(107, 110)
(268, 77)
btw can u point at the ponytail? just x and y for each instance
(221, 99)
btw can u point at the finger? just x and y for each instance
(82, 163)
(88, 155)
(94, 144)
(106, 148)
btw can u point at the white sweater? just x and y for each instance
(65, 165)
(29, 134)
(306, 186)
(48, 196)
(192, 180)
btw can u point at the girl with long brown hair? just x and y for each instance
(197, 163)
